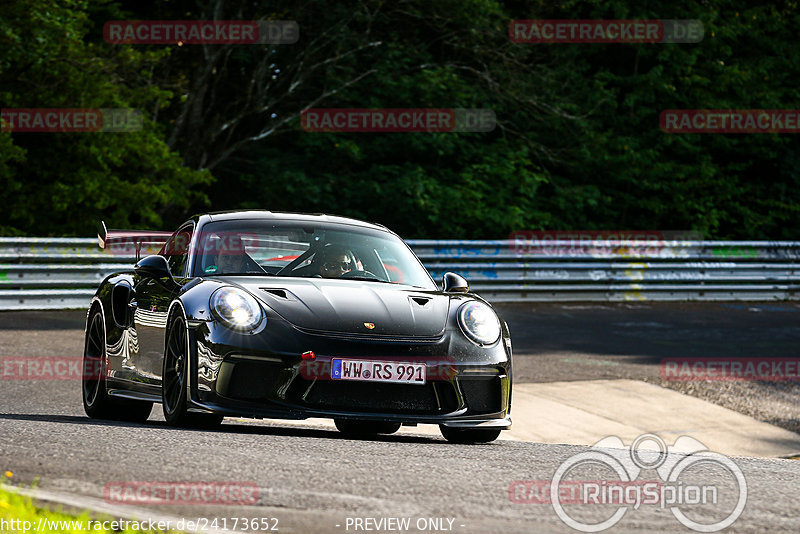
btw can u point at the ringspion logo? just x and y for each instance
(687, 484)
(70, 120)
(572, 491)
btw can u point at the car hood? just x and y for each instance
(352, 306)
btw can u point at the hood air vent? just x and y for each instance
(280, 293)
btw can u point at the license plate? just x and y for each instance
(372, 371)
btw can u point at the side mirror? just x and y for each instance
(454, 283)
(153, 267)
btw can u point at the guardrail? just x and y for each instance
(62, 273)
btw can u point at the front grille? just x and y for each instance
(370, 337)
(377, 397)
(249, 380)
(481, 393)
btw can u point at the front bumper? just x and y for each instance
(239, 377)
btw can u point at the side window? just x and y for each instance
(176, 250)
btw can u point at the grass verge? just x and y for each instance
(19, 514)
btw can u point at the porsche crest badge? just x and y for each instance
(370, 326)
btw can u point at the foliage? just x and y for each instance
(62, 183)
(578, 144)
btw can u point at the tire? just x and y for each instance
(174, 377)
(365, 428)
(96, 402)
(469, 435)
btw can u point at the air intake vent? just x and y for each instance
(422, 301)
(280, 293)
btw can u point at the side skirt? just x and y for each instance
(134, 395)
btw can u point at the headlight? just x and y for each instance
(236, 308)
(479, 322)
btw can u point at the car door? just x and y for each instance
(154, 296)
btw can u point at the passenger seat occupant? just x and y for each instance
(231, 257)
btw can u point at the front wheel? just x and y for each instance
(365, 428)
(96, 402)
(174, 380)
(469, 435)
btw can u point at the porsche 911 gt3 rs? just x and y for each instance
(276, 315)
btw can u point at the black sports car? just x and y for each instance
(277, 315)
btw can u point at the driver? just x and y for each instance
(334, 261)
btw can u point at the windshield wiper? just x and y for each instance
(365, 279)
(263, 273)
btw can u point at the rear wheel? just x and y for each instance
(365, 428)
(469, 435)
(174, 380)
(96, 402)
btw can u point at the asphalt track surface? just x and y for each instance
(313, 480)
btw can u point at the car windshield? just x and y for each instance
(307, 250)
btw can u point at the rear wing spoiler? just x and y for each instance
(127, 241)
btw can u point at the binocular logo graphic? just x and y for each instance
(647, 452)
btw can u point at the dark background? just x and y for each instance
(578, 143)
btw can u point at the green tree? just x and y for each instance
(62, 183)
(577, 144)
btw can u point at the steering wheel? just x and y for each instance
(297, 261)
(355, 273)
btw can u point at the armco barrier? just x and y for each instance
(62, 273)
